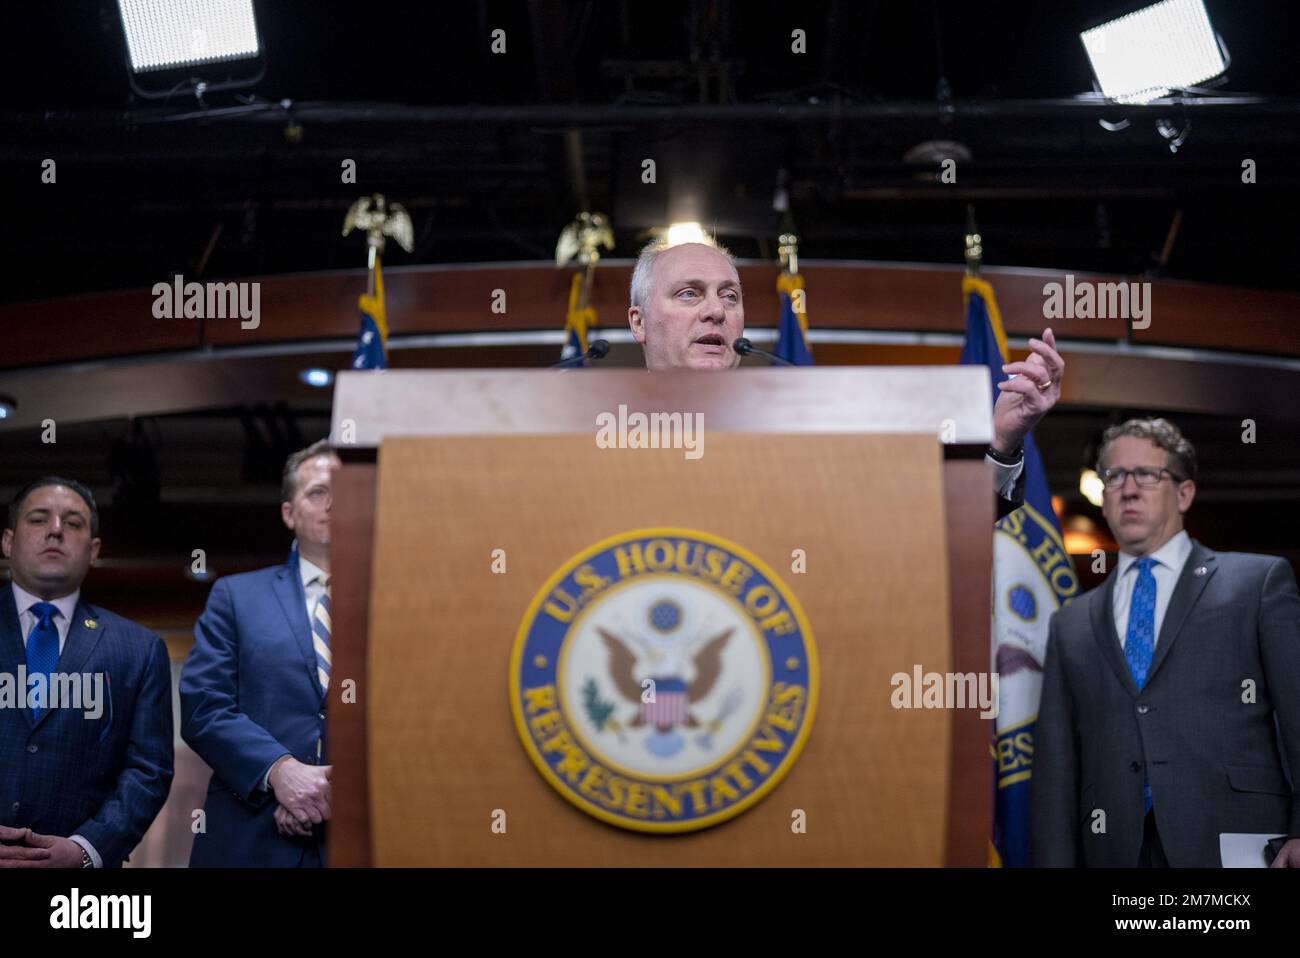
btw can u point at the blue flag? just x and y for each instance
(1033, 576)
(372, 339)
(792, 335)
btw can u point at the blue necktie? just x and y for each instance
(1140, 640)
(43, 649)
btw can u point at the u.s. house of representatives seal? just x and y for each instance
(664, 680)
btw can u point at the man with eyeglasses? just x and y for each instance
(1170, 692)
(254, 688)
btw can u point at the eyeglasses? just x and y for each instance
(1145, 476)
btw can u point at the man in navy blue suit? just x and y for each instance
(86, 733)
(253, 691)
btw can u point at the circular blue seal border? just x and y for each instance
(566, 765)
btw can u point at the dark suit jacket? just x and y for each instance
(1215, 761)
(249, 694)
(104, 779)
(1007, 506)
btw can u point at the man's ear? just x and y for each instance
(95, 544)
(7, 542)
(286, 514)
(1186, 493)
(636, 319)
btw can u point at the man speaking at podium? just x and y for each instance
(687, 311)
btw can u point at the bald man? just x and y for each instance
(687, 309)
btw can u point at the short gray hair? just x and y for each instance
(289, 480)
(645, 264)
(1182, 455)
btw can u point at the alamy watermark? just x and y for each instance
(82, 691)
(656, 430)
(181, 300)
(1088, 300)
(133, 913)
(945, 690)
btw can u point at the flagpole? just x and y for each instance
(584, 294)
(788, 251)
(974, 244)
(379, 220)
(582, 240)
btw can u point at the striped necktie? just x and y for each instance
(320, 635)
(43, 650)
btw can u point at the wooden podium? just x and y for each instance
(463, 492)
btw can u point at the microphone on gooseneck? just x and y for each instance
(599, 349)
(743, 347)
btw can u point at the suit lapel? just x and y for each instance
(1102, 612)
(293, 602)
(84, 633)
(12, 649)
(13, 652)
(1186, 594)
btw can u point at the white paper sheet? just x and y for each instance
(1242, 850)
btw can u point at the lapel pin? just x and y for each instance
(91, 624)
(1200, 570)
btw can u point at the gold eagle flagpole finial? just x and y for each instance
(380, 220)
(788, 249)
(582, 240)
(974, 244)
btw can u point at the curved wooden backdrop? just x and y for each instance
(459, 298)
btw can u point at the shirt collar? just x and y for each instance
(66, 604)
(309, 571)
(1173, 554)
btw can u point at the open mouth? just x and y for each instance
(712, 339)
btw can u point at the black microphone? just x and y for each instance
(743, 347)
(597, 350)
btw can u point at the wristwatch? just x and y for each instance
(86, 860)
(1003, 459)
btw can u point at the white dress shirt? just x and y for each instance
(27, 620)
(312, 586)
(1169, 561)
(1004, 477)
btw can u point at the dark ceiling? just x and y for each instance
(494, 153)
